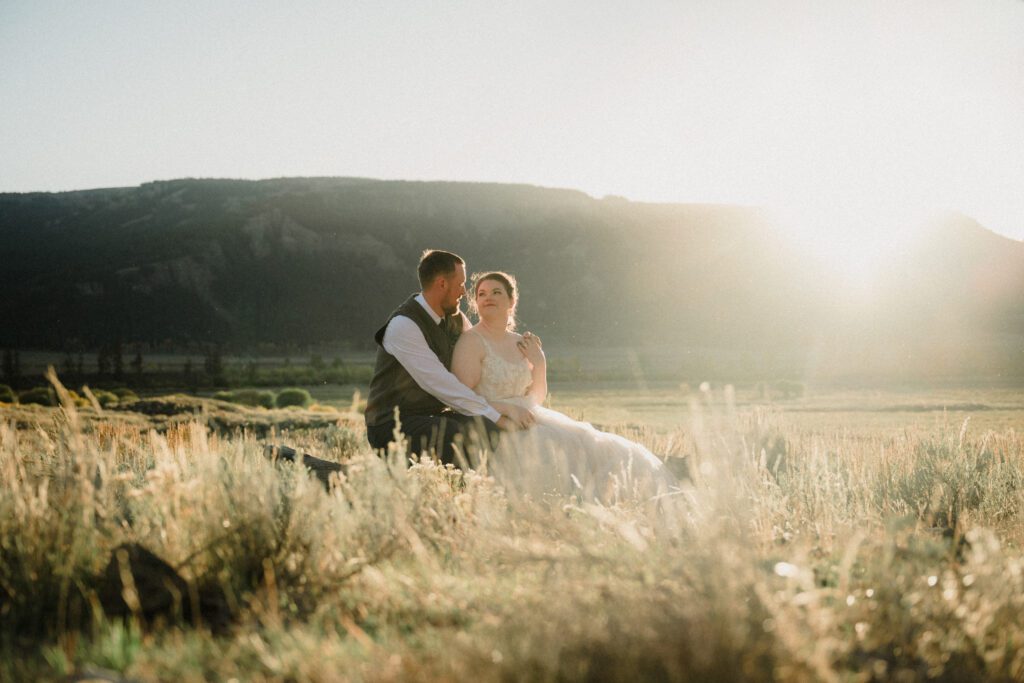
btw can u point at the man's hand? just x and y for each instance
(506, 424)
(520, 416)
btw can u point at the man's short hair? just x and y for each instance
(435, 262)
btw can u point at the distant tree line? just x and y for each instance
(11, 366)
(213, 372)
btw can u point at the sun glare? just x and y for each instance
(857, 243)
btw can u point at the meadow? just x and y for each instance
(842, 535)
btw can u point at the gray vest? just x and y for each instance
(392, 386)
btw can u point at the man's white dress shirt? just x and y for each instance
(404, 340)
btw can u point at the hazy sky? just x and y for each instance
(825, 107)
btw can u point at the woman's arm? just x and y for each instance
(530, 347)
(468, 359)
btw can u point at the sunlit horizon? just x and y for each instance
(904, 108)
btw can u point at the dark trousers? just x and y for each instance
(439, 435)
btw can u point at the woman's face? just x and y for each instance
(492, 299)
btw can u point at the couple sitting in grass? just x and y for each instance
(471, 395)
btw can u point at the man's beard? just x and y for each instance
(451, 309)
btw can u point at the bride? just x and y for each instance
(557, 453)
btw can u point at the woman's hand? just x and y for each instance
(530, 347)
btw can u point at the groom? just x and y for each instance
(412, 371)
(412, 374)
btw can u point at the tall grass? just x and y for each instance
(785, 555)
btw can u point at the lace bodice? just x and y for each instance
(502, 379)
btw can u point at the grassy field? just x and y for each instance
(668, 406)
(839, 536)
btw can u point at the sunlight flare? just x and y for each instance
(857, 242)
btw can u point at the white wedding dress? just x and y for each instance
(559, 454)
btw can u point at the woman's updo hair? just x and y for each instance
(508, 283)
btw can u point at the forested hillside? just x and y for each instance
(315, 261)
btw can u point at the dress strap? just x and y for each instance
(487, 343)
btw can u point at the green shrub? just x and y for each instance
(124, 394)
(7, 394)
(294, 397)
(262, 398)
(42, 396)
(79, 401)
(104, 398)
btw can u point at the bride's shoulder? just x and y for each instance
(470, 339)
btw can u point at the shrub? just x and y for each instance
(79, 401)
(42, 396)
(124, 394)
(343, 441)
(7, 394)
(104, 398)
(294, 397)
(790, 389)
(262, 398)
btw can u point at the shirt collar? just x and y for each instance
(430, 311)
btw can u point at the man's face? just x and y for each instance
(455, 289)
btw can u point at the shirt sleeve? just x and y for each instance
(405, 341)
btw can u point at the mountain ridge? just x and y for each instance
(322, 260)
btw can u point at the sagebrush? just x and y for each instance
(784, 555)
